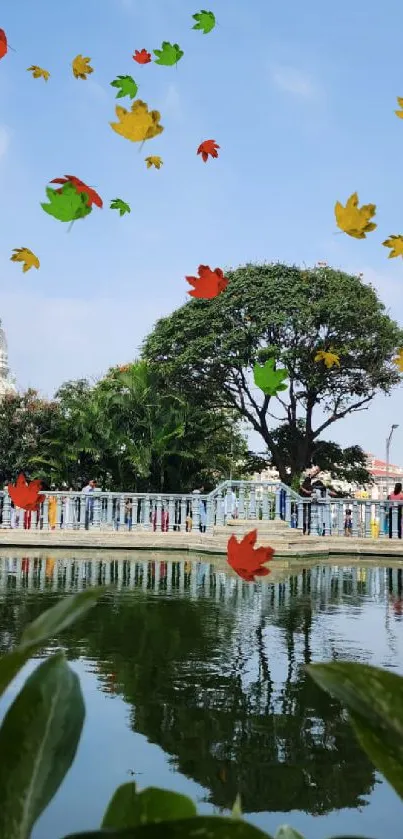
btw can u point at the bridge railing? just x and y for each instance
(174, 512)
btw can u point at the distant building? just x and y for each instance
(7, 381)
(382, 485)
(383, 481)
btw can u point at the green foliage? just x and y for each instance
(208, 349)
(126, 86)
(169, 54)
(347, 464)
(374, 699)
(38, 742)
(129, 430)
(129, 808)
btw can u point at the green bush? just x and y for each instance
(42, 729)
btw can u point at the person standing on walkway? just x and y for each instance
(52, 510)
(89, 503)
(396, 495)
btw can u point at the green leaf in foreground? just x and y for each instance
(269, 380)
(38, 743)
(200, 827)
(204, 21)
(126, 87)
(128, 808)
(66, 204)
(374, 699)
(48, 624)
(287, 832)
(119, 204)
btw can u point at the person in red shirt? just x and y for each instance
(396, 495)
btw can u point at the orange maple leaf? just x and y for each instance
(247, 561)
(208, 284)
(26, 496)
(142, 56)
(208, 147)
(3, 43)
(93, 197)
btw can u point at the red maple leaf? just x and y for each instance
(208, 284)
(93, 197)
(26, 496)
(247, 561)
(209, 147)
(3, 43)
(142, 56)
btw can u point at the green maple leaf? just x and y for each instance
(67, 204)
(205, 21)
(118, 204)
(126, 86)
(169, 54)
(269, 380)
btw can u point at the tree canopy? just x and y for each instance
(207, 350)
(129, 431)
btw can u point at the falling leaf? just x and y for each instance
(3, 43)
(328, 357)
(138, 124)
(126, 87)
(25, 495)
(269, 380)
(80, 186)
(399, 360)
(118, 204)
(81, 67)
(245, 559)
(208, 147)
(205, 21)
(38, 72)
(354, 221)
(396, 244)
(400, 102)
(27, 257)
(154, 160)
(142, 56)
(169, 54)
(208, 284)
(67, 204)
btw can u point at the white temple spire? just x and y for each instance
(7, 384)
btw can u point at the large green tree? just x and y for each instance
(207, 350)
(129, 431)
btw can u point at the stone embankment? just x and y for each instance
(287, 543)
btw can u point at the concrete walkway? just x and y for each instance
(286, 542)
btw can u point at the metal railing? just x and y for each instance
(174, 512)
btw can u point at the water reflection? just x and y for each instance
(212, 668)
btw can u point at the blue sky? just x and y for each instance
(301, 99)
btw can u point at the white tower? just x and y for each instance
(7, 382)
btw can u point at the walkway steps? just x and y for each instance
(295, 546)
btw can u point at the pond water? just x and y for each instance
(194, 681)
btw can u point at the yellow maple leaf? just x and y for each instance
(38, 72)
(27, 257)
(328, 357)
(396, 245)
(400, 102)
(353, 220)
(399, 360)
(81, 67)
(154, 160)
(138, 124)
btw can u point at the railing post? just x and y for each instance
(241, 501)
(196, 509)
(277, 503)
(210, 515)
(6, 517)
(252, 503)
(96, 508)
(288, 508)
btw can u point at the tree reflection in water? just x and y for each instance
(214, 673)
